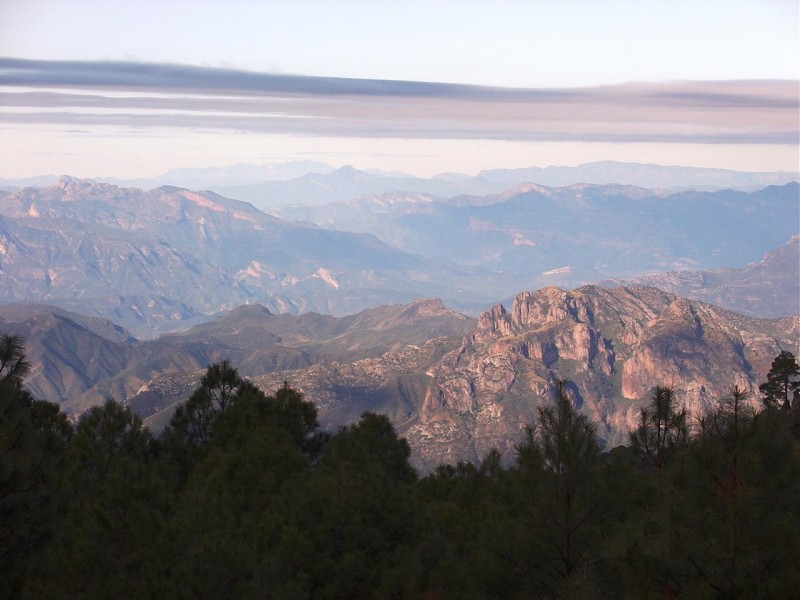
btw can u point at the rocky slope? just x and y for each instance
(456, 401)
(68, 352)
(613, 345)
(767, 288)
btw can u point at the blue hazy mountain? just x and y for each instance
(165, 258)
(538, 236)
(349, 183)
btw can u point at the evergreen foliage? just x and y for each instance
(33, 440)
(661, 428)
(783, 382)
(265, 505)
(13, 362)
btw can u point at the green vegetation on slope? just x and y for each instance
(242, 496)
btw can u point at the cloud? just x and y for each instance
(93, 93)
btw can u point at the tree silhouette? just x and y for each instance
(14, 363)
(783, 377)
(219, 388)
(661, 427)
(563, 444)
(33, 435)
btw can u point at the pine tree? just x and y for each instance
(783, 378)
(563, 443)
(661, 428)
(14, 363)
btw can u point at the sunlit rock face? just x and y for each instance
(613, 345)
(453, 386)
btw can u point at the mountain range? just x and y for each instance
(345, 183)
(130, 293)
(80, 361)
(453, 386)
(272, 185)
(766, 288)
(165, 259)
(613, 346)
(321, 185)
(532, 236)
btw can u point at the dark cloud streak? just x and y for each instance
(161, 95)
(185, 78)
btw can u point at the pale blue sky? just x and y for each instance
(572, 43)
(511, 43)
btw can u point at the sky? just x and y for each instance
(114, 88)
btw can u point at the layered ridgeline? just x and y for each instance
(766, 288)
(455, 388)
(162, 260)
(79, 361)
(158, 260)
(272, 185)
(613, 345)
(533, 236)
(322, 185)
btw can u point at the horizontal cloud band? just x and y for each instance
(148, 95)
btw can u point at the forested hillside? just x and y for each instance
(242, 496)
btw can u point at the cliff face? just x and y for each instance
(613, 345)
(454, 387)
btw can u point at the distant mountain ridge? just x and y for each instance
(163, 259)
(767, 288)
(348, 183)
(532, 236)
(642, 175)
(311, 182)
(168, 258)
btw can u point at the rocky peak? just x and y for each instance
(66, 180)
(493, 322)
(614, 345)
(430, 307)
(536, 310)
(526, 188)
(680, 315)
(542, 308)
(74, 188)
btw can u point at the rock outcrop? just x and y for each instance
(613, 346)
(454, 387)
